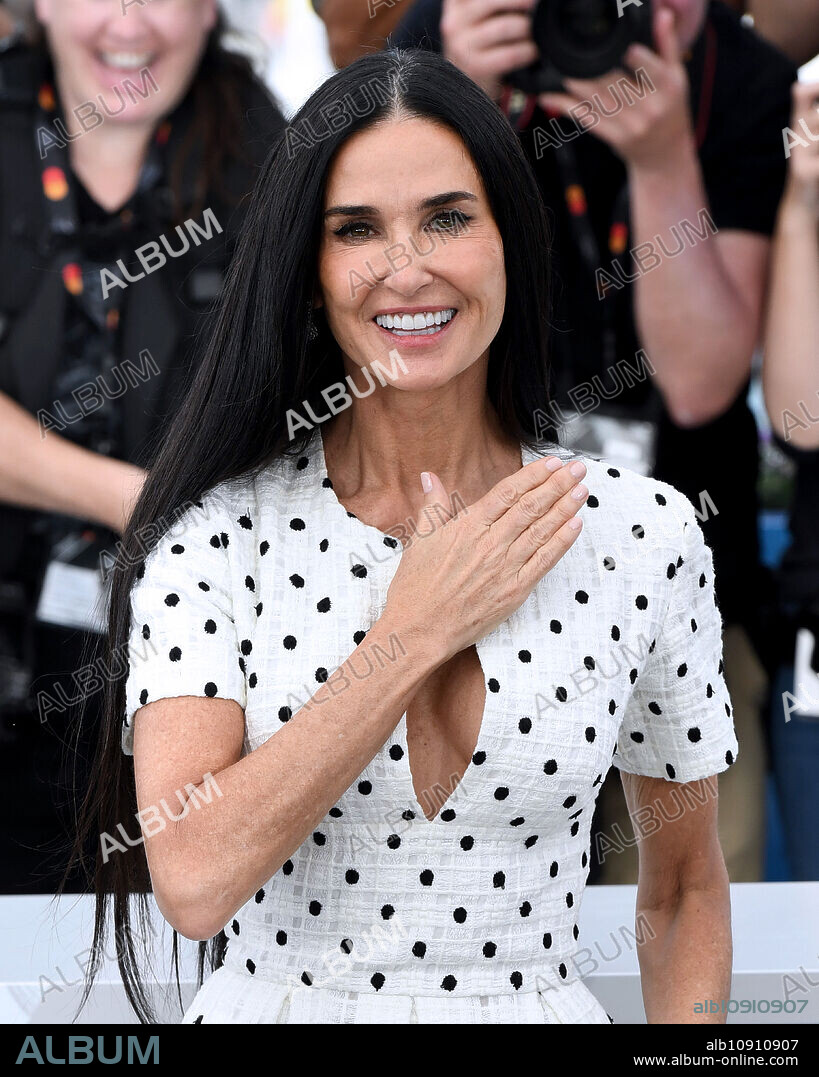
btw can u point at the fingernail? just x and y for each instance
(426, 482)
(553, 463)
(579, 491)
(577, 469)
(575, 523)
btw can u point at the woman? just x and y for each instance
(791, 379)
(390, 744)
(120, 135)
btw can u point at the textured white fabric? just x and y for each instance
(266, 586)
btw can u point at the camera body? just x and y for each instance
(581, 39)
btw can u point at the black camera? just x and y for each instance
(581, 39)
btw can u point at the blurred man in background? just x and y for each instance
(663, 199)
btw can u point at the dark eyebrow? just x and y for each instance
(428, 203)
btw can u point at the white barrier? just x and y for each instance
(44, 948)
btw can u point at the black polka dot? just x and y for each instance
(581, 597)
(387, 912)
(501, 793)
(550, 766)
(351, 876)
(467, 842)
(377, 980)
(670, 770)
(419, 949)
(694, 734)
(489, 949)
(396, 752)
(499, 880)
(296, 524)
(493, 685)
(449, 983)
(314, 908)
(323, 605)
(556, 627)
(459, 915)
(426, 877)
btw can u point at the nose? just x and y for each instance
(405, 270)
(127, 25)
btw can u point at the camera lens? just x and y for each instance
(587, 22)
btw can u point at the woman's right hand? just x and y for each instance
(474, 569)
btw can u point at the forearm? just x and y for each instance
(690, 317)
(52, 474)
(688, 956)
(791, 367)
(211, 862)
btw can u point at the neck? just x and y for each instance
(383, 442)
(107, 158)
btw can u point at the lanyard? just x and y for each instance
(81, 274)
(519, 109)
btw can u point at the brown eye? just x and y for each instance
(354, 229)
(450, 220)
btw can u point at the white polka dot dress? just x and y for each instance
(261, 590)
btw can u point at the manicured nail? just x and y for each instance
(552, 463)
(577, 469)
(580, 491)
(426, 482)
(575, 523)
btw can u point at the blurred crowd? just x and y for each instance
(683, 198)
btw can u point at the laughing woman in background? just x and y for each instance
(116, 130)
(400, 740)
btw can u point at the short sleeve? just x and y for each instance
(183, 639)
(678, 723)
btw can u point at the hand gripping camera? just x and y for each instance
(581, 39)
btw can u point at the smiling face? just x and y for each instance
(96, 46)
(410, 256)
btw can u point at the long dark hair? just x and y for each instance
(259, 361)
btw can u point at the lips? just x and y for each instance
(416, 323)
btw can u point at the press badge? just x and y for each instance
(805, 677)
(73, 593)
(629, 443)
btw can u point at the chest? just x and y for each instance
(523, 724)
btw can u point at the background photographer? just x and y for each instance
(791, 382)
(672, 192)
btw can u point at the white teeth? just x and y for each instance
(421, 324)
(127, 61)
